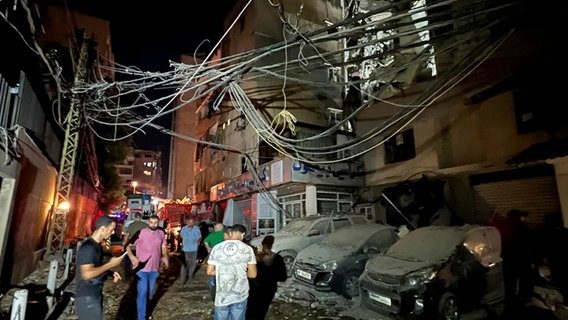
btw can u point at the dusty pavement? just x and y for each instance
(193, 302)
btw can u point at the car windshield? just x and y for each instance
(297, 226)
(346, 237)
(433, 244)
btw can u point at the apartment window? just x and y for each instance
(148, 173)
(294, 205)
(400, 147)
(329, 202)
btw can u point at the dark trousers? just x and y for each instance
(188, 266)
(259, 301)
(89, 308)
(128, 272)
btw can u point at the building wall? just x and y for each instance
(182, 177)
(9, 175)
(191, 121)
(453, 141)
(82, 208)
(28, 228)
(152, 183)
(59, 25)
(258, 27)
(126, 171)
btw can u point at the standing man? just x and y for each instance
(191, 236)
(151, 248)
(232, 261)
(91, 272)
(270, 270)
(129, 237)
(214, 238)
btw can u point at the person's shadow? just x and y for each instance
(127, 307)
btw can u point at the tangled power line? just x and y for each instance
(378, 51)
(224, 77)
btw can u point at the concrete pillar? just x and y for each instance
(311, 200)
(561, 173)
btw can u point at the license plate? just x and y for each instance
(379, 298)
(303, 274)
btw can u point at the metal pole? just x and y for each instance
(68, 260)
(397, 210)
(58, 223)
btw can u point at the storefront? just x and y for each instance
(287, 189)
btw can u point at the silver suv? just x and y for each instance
(302, 232)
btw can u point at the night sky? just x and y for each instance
(148, 34)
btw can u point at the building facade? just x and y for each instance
(448, 97)
(32, 150)
(147, 172)
(229, 182)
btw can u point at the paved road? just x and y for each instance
(192, 302)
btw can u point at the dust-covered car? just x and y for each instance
(336, 262)
(302, 232)
(436, 273)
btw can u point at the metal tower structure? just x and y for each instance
(59, 211)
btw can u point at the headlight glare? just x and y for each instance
(420, 277)
(330, 265)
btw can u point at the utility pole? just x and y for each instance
(60, 209)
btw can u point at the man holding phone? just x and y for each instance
(92, 273)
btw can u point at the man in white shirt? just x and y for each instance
(232, 262)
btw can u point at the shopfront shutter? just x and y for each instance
(536, 195)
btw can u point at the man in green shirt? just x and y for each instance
(214, 238)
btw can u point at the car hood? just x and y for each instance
(395, 266)
(319, 253)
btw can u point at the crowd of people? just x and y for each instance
(242, 280)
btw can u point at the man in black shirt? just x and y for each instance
(91, 272)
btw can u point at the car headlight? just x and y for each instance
(330, 265)
(419, 277)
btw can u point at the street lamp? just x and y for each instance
(134, 184)
(64, 206)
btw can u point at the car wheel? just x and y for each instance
(288, 258)
(448, 307)
(351, 285)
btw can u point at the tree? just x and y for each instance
(111, 154)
